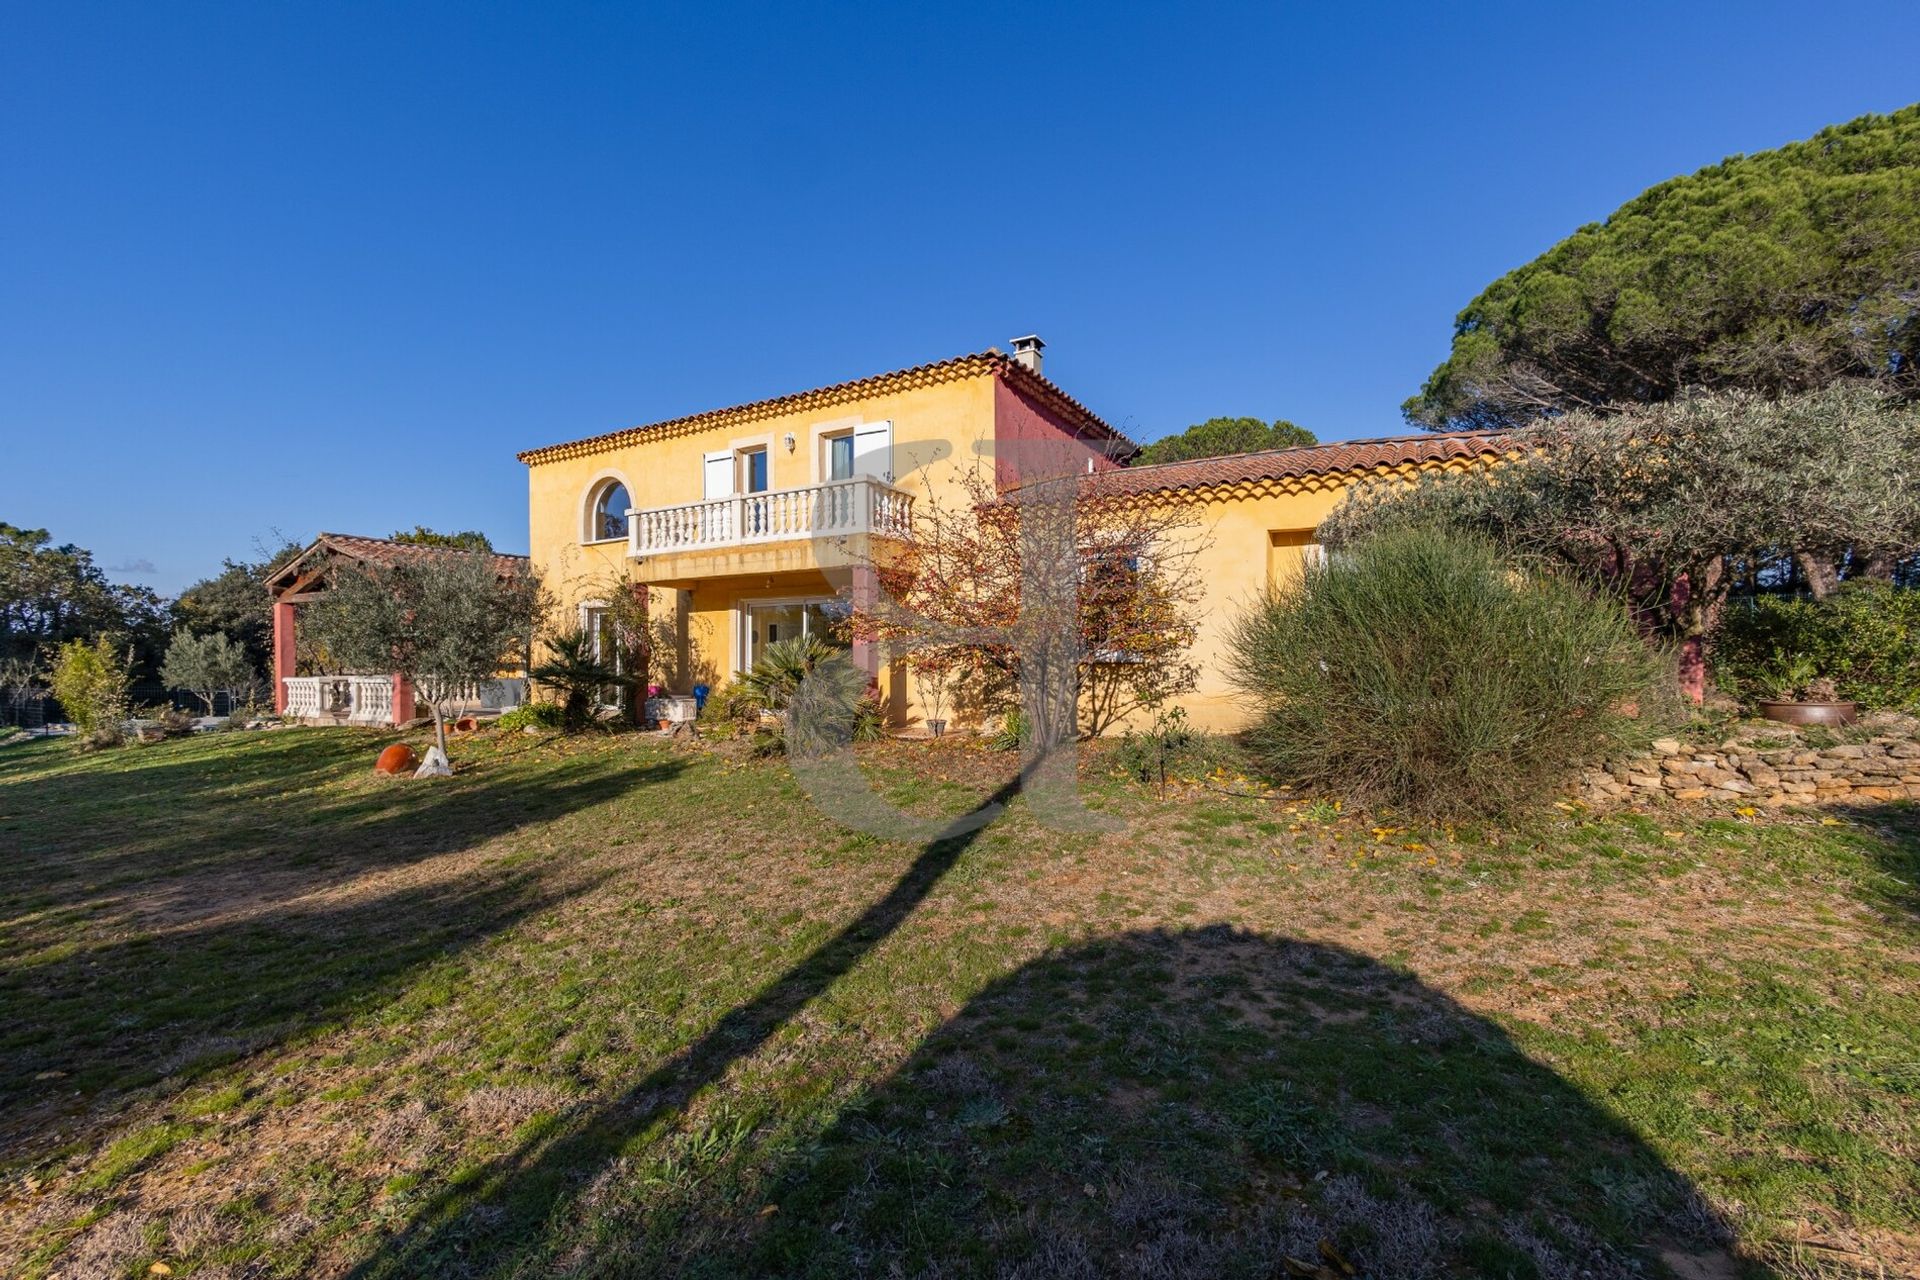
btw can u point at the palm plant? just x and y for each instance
(574, 669)
(821, 699)
(777, 674)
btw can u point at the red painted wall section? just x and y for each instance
(1018, 417)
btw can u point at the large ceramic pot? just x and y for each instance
(1827, 713)
(936, 727)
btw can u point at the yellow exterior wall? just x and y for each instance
(939, 432)
(1236, 566)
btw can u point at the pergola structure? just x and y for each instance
(368, 698)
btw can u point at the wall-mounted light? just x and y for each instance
(788, 441)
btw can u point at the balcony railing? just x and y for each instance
(836, 509)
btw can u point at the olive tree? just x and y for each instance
(446, 622)
(1670, 503)
(206, 665)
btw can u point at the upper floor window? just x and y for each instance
(839, 456)
(753, 470)
(608, 518)
(862, 450)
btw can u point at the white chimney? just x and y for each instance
(1027, 351)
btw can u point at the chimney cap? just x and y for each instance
(1031, 342)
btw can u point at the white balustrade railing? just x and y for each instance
(491, 695)
(835, 509)
(354, 699)
(369, 699)
(303, 696)
(372, 698)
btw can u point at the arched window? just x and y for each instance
(610, 505)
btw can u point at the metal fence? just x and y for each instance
(32, 714)
(36, 712)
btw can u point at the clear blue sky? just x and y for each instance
(305, 266)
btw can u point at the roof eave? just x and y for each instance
(957, 368)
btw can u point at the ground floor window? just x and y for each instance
(765, 622)
(606, 648)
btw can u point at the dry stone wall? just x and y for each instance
(1763, 763)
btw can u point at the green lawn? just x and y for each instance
(610, 1006)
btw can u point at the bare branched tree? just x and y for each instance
(1078, 601)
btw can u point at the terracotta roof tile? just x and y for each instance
(1307, 460)
(982, 364)
(385, 551)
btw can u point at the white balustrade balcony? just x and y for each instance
(839, 508)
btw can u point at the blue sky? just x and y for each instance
(292, 267)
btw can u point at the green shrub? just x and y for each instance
(782, 665)
(532, 715)
(163, 720)
(861, 719)
(1420, 670)
(731, 710)
(1011, 733)
(1172, 748)
(92, 682)
(869, 718)
(1865, 638)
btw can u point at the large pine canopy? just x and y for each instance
(1777, 272)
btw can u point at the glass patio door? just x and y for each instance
(772, 621)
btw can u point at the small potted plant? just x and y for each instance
(931, 675)
(1802, 696)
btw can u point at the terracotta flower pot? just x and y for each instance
(1826, 713)
(397, 759)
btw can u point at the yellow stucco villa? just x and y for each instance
(752, 524)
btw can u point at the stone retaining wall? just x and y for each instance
(1763, 763)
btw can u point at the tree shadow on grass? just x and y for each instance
(1156, 1105)
(493, 1220)
(295, 806)
(1199, 1104)
(224, 955)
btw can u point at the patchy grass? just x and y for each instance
(608, 1006)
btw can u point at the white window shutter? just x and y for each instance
(873, 450)
(718, 472)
